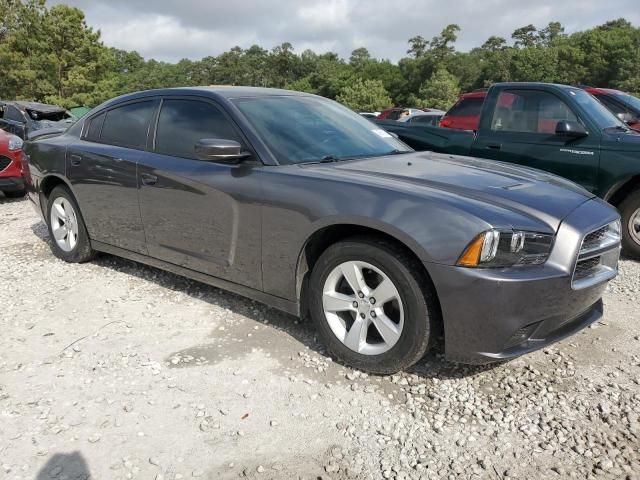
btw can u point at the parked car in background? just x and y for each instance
(12, 182)
(395, 113)
(296, 201)
(370, 115)
(22, 118)
(557, 128)
(465, 114)
(431, 117)
(625, 106)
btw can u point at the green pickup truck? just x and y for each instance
(557, 128)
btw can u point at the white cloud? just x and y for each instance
(169, 30)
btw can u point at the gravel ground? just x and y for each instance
(113, 370)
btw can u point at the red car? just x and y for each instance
(465, 114)
(626, 107)
(12, 182)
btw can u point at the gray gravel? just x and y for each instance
(113, 370)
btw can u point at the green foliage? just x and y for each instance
(364, 95)
(50, 54)
(440, 91)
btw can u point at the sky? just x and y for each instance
(169, 30)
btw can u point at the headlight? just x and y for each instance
(505, 248)
(15, 143)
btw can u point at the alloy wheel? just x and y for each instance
(64, 224)
(634, 226)
(363, 307)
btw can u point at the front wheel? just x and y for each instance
(69, 238)
(630, 213)
(373, 305)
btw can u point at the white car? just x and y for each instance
(431, 117)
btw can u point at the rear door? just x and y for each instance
(521, 130)
(201, 215)
(102, 168)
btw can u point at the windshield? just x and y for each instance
(302, 129)
(597, 111)
(633, 102)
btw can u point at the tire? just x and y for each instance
(414, 309)
(15, 194)
(78, 249)
(630, 213)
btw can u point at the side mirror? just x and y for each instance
(569, 129)
(219, 150)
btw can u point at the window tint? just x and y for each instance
(12, 113)
(183, 123)
(394, 114)
(530, 111)
(467, 107)
(128, 125)
(95, 126)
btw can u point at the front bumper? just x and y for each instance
(12, 184)
(496, 314)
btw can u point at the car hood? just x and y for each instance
(531, 192)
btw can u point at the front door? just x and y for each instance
(102, 168)
(522, 131)
(201, 215)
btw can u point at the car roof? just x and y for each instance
(430, 113)
(36, 107)
(604, 90)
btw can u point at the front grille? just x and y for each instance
(4, 162)
(598, 257)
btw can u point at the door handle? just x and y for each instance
(148, 179)
(494, 146)
(76, 160)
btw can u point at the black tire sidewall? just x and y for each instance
(82, 252)
(627, 208)
(416, 331)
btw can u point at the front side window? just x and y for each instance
(530, 111)
(303, 129)
(182, 123)
(128, 125)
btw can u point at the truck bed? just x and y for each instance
(436, 139)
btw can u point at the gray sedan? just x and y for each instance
(298, 202)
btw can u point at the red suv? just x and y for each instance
(626, 107)
(11, 166)
(465, 114)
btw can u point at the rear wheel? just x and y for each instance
(69, 237)
(372, 305)
(630, 212)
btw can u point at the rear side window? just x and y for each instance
(95, 127)
(182, 123)
(467, 107)
(128, 125)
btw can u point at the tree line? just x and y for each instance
(50, 54)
